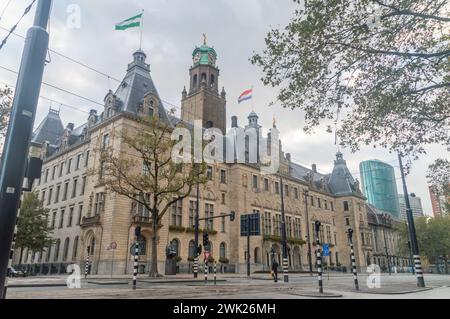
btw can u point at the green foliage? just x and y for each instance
(385, 84)
(177, 228)
(6, 98)
(432, 236)
(33, 231)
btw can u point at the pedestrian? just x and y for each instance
(275, 270)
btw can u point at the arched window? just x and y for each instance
(212, 80)
(176, 246)
(92, 247)
(222, 251)
(203, 78)
(194, 81)
(57, 245)
(191, 250)
(66, 249)
(75, 249)
(209, 124)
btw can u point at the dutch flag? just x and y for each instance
(246, 95)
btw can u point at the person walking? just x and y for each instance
(275, 270)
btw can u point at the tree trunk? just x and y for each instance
(154, 257)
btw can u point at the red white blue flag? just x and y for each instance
(246, 95)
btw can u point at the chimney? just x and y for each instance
(93, 112)
(314, 168)
(234, 122)
(70, 126)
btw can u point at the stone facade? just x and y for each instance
(100, 217)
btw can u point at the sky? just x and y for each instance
(172, 29)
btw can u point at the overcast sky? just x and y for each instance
(172, 29)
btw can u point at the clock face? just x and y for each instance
(196, 58)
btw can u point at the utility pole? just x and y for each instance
(385, 245)
(283, 236)
(307, 233)
(412, 230)
(20, 130)
(196, 233)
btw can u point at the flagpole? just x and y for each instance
(142, 28)
(253, 105)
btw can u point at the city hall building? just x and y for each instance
(83, 213)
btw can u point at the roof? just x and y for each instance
(341, 181)
(50, 129)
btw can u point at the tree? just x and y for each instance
(438, 176)
(5, 110)
(432, 236)
(379, 68)
(33, 230)
(150, 178)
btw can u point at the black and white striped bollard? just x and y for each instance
(352, 256)
(215, 272)
(319, 257)
(86, 266)
(418, 270)
(285, 270)
(206, 271)
(136, 263)
(195, 265)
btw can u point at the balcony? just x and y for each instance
(90, 221)
(143, 220)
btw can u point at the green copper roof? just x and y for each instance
(204, 55)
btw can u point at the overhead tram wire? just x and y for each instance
(27, 10)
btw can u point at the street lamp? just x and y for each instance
(307, 232)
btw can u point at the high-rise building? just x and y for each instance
(379, 186)
(438, 202)
(415, 203)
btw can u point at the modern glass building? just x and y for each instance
(379, 186)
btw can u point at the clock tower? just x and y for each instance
(203, 100)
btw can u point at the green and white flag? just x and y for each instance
(132, 22)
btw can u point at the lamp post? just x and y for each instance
(307, 232)
(196, 249)
(283, 236)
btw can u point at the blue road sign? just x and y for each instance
(325, 250)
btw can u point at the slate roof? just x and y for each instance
(341, 181)
(50, 129)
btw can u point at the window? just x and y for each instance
(267, 223)
(288, 226)
(58, 189)
(54, 219)
(65, 249)
(286, 190)
(266, 184)
(223, 198)
(255, 181)
(66, 188)
(335, 238)
(46, 175)
(277, 188)
(74, 188)
(312, 200)
(222, 224)
(209, 212)
(297, 228)
(99, 203)
(142, 210)
(43, 196)
(69, 164)
(328, 228)
(80, 211)
(61, 169)
(209, 173)
(277, 225)
(78, 162)
(61, 219)
(347, 221)
(146, 169)
(296, 192)
(57, 246)
(223, 176)
(83, 185)
(326, 204)
(177, 213)
(105, 142)
(54, 172)
(50, 191)
(332, 206)
(319, 203)
(222, 251)
(69, 222)
(192, 210)
(86, 160)
(75, 249)
(175, 243)
(191, 251)
(346, 206)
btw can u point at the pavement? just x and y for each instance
(231, 286)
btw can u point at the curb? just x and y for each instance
(393, 292)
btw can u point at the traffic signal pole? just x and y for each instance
(196, 253)
(20, 129)
(412, 230)
(283, 237)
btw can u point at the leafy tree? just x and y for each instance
(6, 97)
(432, 236)
(438, 176)
(33, 230)
(379, 68)
(149, 177)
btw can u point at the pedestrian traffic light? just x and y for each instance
(137, 231)
(232, 216)
(199, 249)
(205, 239)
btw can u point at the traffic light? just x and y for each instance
(232, 216)
(137, 231)
(205, 239)
(199, 249)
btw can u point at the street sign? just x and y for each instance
(325, 250)
(251, 221)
